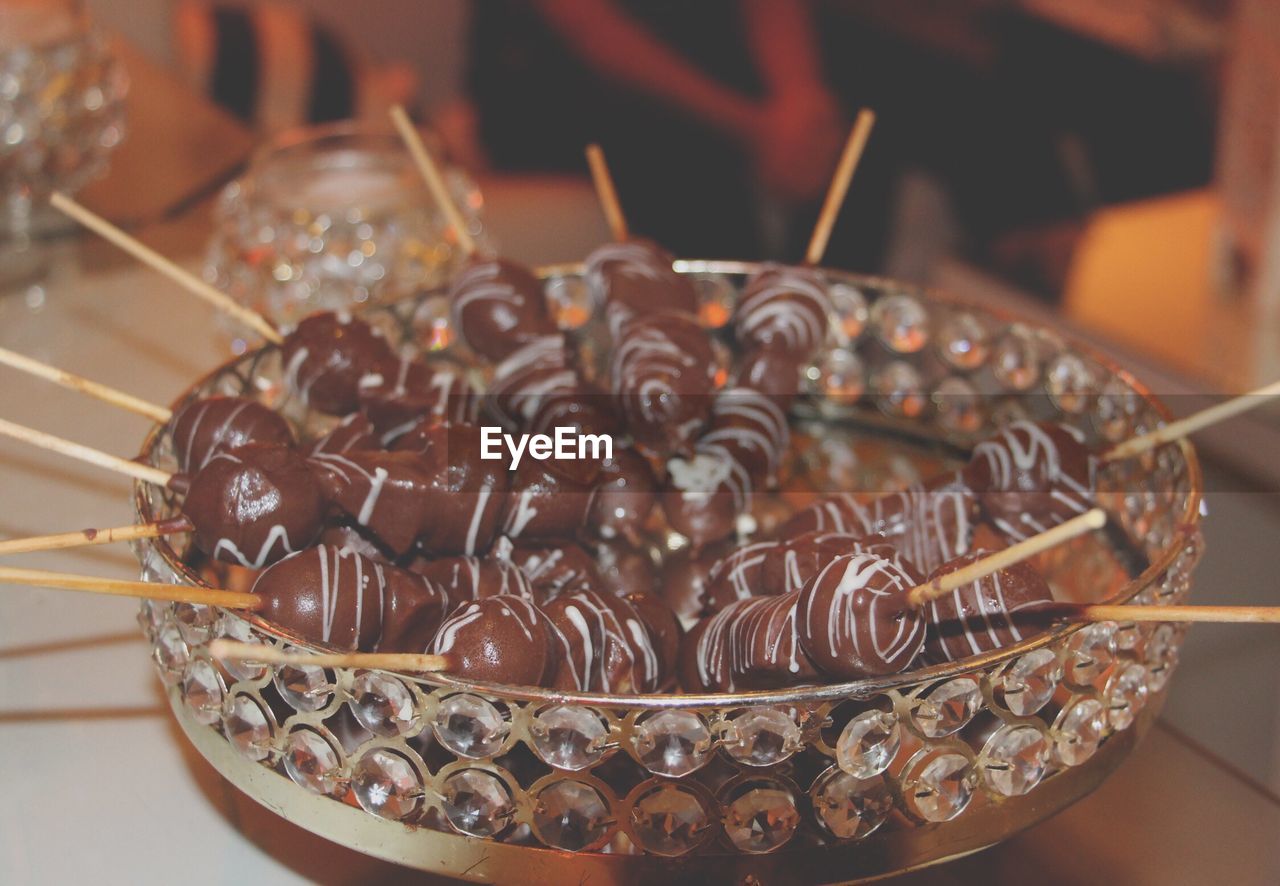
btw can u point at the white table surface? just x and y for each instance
(95, 777)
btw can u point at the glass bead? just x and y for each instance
(900, 390)
(672, 742)
(386, 784)
(964, 341)
(1126, 695)
(569, 299)
(669, 819)
(948, 707)
(941, 787)
(959, 406)
(202, 691)
(247, 728)
(311, 761)
(305, 687)
(477, 803)
(901, 322)
(839, 377)
(570, 815)
(1080, 731)
(868, 744)
(851, 807)
(569, 737)
(1069, 382)
(1090, 653)
(470, 726)
(849, 306)
(383, 705)
(762, 817)
(1030, 682)
(1015, 360)
(1014, 760)
(762, 737)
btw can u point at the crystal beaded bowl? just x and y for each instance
(833, 782)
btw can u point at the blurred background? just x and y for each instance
(1109, 167)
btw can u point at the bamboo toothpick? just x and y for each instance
(434, 180)
(387, 661)
(117, 587)
(88, 454)
(1192, 423)
(167, 267)
(945, 584)
(853, 148)
(1136, 612)
(74, 382)
(93, 537)
(606, 193)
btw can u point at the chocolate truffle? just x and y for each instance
(553, 569)
(784, 309)
(977, 617)
(624, 497)
(1030, 477)
(354, 433)
(211, 424)
(854, 620)
(498, 306)
(499, 640)
(473, 578)
(325, 357)
(616, 644)
(326, 595)
(254, 505)
(636, 277)
(663, 372)
(407, 391)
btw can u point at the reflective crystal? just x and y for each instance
(900, 390)
(1115, 410)
(1069, 382)
(202, 691)
(1014, 759)
(964, 341)
(1161, 656)
(195, 621)
(470, 726)
(1128, 635)
(433, 324)
(1015, 360)
(668, 819)
(716, 299)
(311, 762)
(569, 737)
(1080, 731)
(383, 704)
(386, 784)
(851, 807)
(672, 743)
(1126, 695)
(943, 787)
(762, 737)
(850, 308)
(1030, 682)
(569, 299)
(247, 728)
(570, 815)
(840, 377)
(170, 652)
(1090, 652)
(477, 802)
(151, 615)
(234, 628)
(948, 707)
(959, 405)
(868, 744)
(762, 818)
(901, 322)
(306, 687)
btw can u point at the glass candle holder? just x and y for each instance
(334, 217)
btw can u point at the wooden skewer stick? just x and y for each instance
(853, 149)
(118, 587)
(170, 269)
(945, 584)
(88, 454)
(85, 386)
(1136, 612)
(1177, 429)
(258, 653)
(91, 537)
(606, 193)
(431, 175)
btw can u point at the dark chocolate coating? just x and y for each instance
(530, 377)
(414, 608)
(784, 309)
(624, 497)
(665, 631)
(616, 644)
(751, 644)
(255, 504)
(327, 355)
(407, 391)
(663, 373)
(854, 621)
(354, 433)
(345, 533)
(635, 277)
(624, 569)
(776, 374)
(554, 568)
(685, 578)
(975, 618)
(498, 306)
(211, 424)
(1030, 477)
(500, 640)
(473, 578)
(388, 493)
(545, 502)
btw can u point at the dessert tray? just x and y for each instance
(847, 781)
